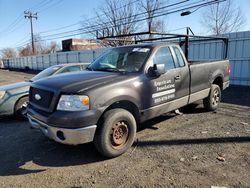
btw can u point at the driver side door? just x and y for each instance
(160, 91)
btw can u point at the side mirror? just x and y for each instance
(157, 70)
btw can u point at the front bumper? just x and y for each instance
(63, 135)
(66, 119)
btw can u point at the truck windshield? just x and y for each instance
(123, 59)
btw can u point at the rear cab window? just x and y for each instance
(179, 57)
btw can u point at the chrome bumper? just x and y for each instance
(226, 85)
(65, 136)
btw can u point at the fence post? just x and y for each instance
(93, 55)
(78, 56)
(57, 58)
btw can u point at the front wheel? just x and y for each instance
(21, 108)
(117, 133)
(212, 102)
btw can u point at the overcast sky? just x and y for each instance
(53, 14)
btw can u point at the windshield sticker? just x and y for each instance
(144, 50)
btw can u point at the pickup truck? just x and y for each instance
(125, 86)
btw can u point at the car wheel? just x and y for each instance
(212, 102)
(21, 108)
(117, 133)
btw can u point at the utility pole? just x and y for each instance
(30, 15)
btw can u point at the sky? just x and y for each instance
(66, 15)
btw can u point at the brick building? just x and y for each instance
(79, 44)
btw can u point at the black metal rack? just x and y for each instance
(182, 39)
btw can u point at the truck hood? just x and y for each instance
(14, 86)
(79, 82)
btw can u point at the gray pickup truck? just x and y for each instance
(125, 86)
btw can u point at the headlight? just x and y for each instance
(73, 103)
(2, 93)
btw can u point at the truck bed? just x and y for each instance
(202, 72)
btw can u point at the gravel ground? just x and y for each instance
(196, 149)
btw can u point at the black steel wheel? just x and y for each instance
(116, 134)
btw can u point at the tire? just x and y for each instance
(20, 110)
(212, 102)
(122, 123)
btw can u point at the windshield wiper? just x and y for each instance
(109, 69)
(88, 68)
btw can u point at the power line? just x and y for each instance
(95, 27)
(162, 13)
(19, 18)
(139, 19)
(87, 20)
(60, 28)
(39, 5)
(51, 5)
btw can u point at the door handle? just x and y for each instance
(177, 77)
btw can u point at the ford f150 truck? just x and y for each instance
(125, 86)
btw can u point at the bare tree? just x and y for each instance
(150, 8)
(7, 53)
(223, 17)
(40, 48)
(115, 18)
(25, 51)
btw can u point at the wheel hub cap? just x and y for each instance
(119, 134)
(216, 98)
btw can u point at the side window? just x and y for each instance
(179, 57)
(71, 69)
(164, 56)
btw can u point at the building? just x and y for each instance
(79, 44)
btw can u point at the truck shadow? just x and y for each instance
(20, 145)
(195, 141)
(11, 119)
(25, 146)
(149, 124)
(238, 95)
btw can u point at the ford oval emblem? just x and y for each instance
(37, 97)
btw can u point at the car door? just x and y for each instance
(161, 92)
(161, 89)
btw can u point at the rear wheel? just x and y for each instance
(212, 102)
(116, 135)
(21, 108)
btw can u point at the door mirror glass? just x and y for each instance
(157, 70)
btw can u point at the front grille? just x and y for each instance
(45, 96)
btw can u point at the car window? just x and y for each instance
(179, 57)
(47, 72)
(71, 69)
(164, 56)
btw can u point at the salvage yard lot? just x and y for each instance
(170, 151)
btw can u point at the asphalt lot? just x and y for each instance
(170, 151)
